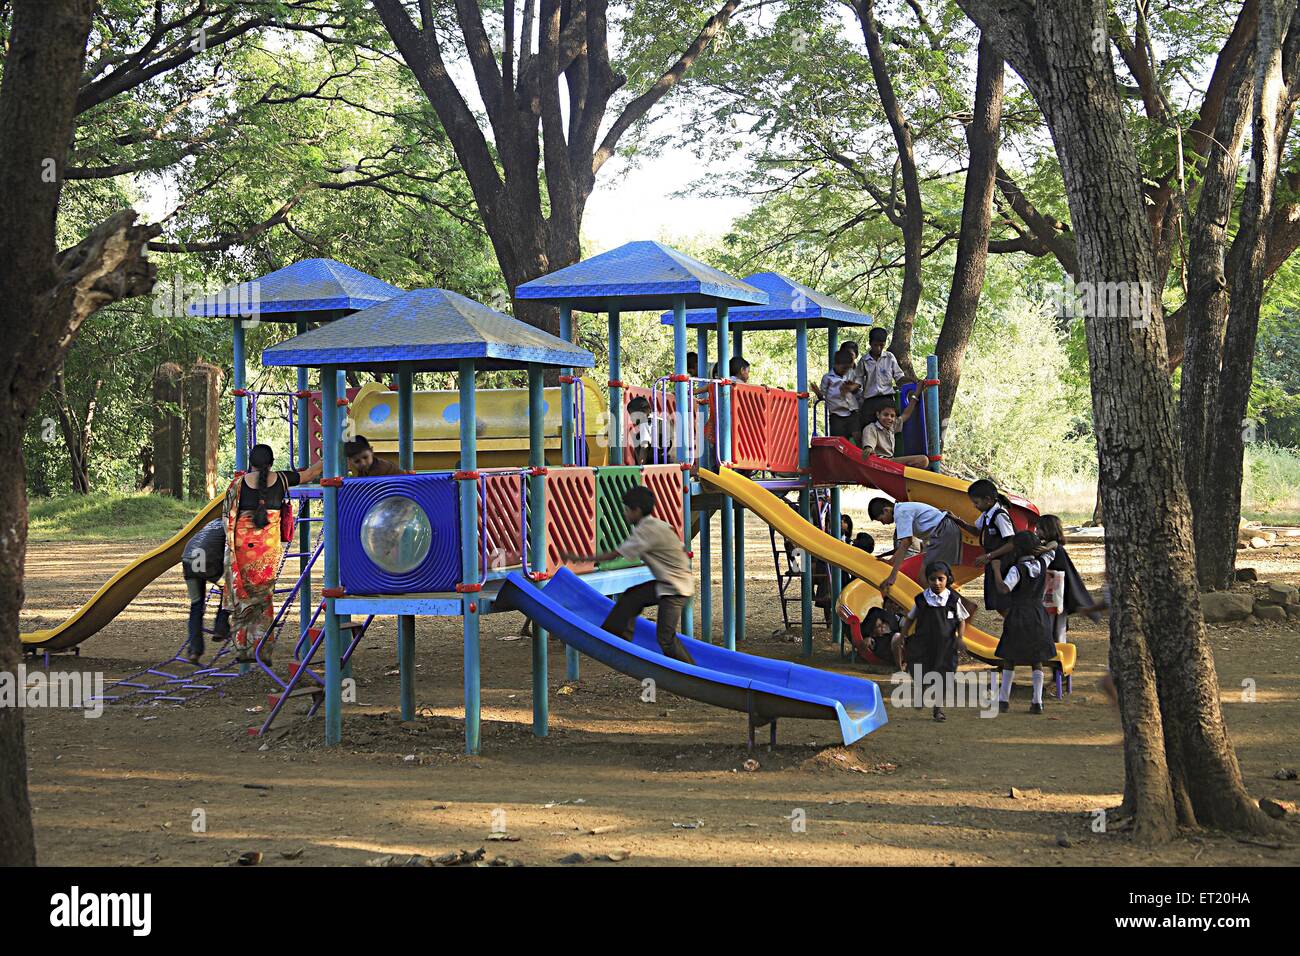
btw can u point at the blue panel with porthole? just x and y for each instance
(399, 534)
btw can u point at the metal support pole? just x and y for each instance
(725, 453)
(837, 576)
(537, 540)
(805, 503)
(933, 427)
(737, 341)
(685, 409)
(330, 505)
(241, 403)
(304, 504)
(572, 667)
(469, 553)
(615, 391)
(406, 622)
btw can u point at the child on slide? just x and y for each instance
(1027, 627)
(882, 636)
(653, 541)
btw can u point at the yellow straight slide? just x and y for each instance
(870, 572)
(122, 588)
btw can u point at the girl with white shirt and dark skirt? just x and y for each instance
(994, 529)
(940, 620)
(1027, 627)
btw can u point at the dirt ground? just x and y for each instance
(662, 782)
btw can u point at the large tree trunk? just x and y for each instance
(1220, 505)
(1207, 316)
(976, 211)
(1149, 554)
(911, 220)
(45, 295)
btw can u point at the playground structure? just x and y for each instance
(507, 481)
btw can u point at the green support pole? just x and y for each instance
(684, 410)
(572, 667)
(837, 576)
(406, 622)
(728, 531)
(240, 382)
(469, 553)
(737, 341)
(303, 440)
(537, 540)
(805, 502)
(330, 505)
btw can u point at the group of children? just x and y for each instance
(861, 397)
(1018, 567)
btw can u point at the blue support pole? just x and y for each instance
(737, 341)
(346, 431)
(406, 461)
(933, 427)
(331, 451)
(805, 503)
(303, 440)
(572, 668)
(241, 403)
(837, 576)
(615, 391)
(728, 530)
(537, 541)
(469, 552)
(706, 516)
(685, 408)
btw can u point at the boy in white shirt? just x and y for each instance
(840, 395)
(880, 375)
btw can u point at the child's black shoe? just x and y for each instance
(1004, 706)
(1035, 708)
(939, 715)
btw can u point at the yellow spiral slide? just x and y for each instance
(869, 572)
(122, 588)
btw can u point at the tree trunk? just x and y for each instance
(973, 243)
(1207, 317)
(45, 295)
(912, 220)
(1061, 52)
(1276, 67)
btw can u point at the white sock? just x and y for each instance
(1007, 677)
(1038, 687)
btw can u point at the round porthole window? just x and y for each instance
(396, 534)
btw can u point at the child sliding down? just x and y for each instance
(1027, 627)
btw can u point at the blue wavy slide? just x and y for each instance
(762, 688)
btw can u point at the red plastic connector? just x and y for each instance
(936, 457)
(473, 607)
(802, 394)
(538, 575)
(686, 466)
(335, 482)
(342, 402)
(239, 392)
(469, 588)
(679, 378)
(568, 379)
(615, 383)
(333, 592)
(465, 476)
(302, 394)
(537, 470)
(929, 382)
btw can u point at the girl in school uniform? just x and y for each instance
(1027, 627)
(1077, 598)
(939, 620)
(994, 529)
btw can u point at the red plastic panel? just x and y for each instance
(782, 430)
(499, 519)
(749, 426)
(666, 483)
(570, 516)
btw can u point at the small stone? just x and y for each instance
(293, 854)
(1258, 542)
(503, 837)
(1247, 574)
(1063, 841)
(616, 856)
(250, 858)
(1270, 612)
(1219, 607)
(1283, 593)
(596, 831)
(1015, 794)
(1293, 611)
(1273, 808)
(1285, 774)
(574, 858)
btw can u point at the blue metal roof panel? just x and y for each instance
(311, 285)
(789, 302)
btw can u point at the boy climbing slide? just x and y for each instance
(653, 541)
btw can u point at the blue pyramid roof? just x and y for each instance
(638, 276)
(427, 330)
(312, 285)
(789, 302)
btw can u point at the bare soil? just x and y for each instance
(664, 782)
